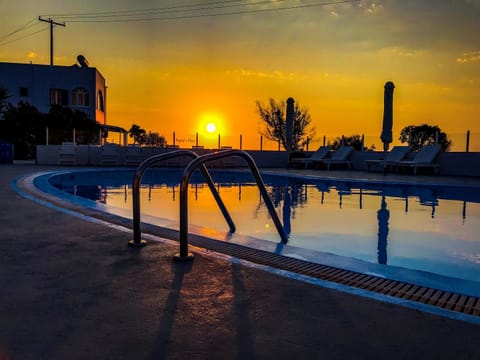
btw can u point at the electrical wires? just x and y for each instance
(198, 10)
(169, 13)
(19, 33)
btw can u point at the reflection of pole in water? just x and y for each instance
(361, 199)
(464, 210)
(149, 192)
(173, 193)
(239, 191)
(125, 191)
(286, 211)
(382, 215)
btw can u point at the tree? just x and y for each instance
(3, 99)
(154, 139)
(62, 120)
(354, 140)
(274, 118)
(420, 135)
(137, 134)
(23, 126)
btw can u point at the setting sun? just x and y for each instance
(210, 123)
(211, 127)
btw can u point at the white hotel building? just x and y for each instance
(79, 87)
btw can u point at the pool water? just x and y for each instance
(426, 228)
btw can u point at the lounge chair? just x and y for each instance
(67, 154)
(398, 153)
(318, 156)
(110, 154)
(340, 157)
(134, 155)
(424, 158)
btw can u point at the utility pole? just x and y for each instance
(51, 22)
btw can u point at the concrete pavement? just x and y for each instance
(72, 289)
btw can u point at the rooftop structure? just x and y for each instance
(79, 87)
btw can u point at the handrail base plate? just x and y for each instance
(179, 257)
(133, 243)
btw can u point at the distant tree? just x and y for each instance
(154, 139)
(23, 126)
(3, 99)
(354, 140)
(274, 117)
(420, 135)
(62, 120)
(137, 134)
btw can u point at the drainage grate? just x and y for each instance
(469, 305)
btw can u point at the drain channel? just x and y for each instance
(465, 304)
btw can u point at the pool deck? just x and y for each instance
(72, 289)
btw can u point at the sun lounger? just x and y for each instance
(110, 154)
(425, 158)
(67, 155)
(340, 157)
(318, 156)
(398, 153)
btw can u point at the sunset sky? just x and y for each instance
(171, 68)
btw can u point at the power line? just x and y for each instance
(184, 11)
(25, 26)
(23, 37)
(114, 18)
(146, 11)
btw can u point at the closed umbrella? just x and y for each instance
(289, 123)
(386, 135)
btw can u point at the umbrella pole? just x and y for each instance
(385, 149)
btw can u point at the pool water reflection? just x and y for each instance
(427, 228)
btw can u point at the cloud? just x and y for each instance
(373, 8)
(364, 6)
(473, 2)
(280, 75)
(469, 57)
(400, 51)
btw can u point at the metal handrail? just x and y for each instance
(137, 241)
(187, 173)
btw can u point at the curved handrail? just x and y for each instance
(187, 173)
(137, 241)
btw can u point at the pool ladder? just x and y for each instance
(197, 162)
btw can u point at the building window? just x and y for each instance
(23, 92)
(58, 97)
(100, 104)
(80, 97)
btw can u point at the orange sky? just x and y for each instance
(168, 75)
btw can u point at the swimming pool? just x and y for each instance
(431, 229)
